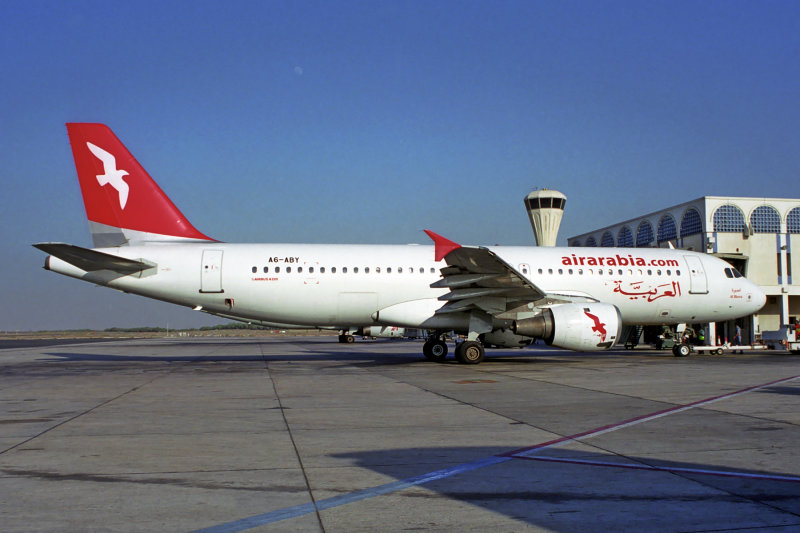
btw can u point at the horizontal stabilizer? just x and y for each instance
(91, 260)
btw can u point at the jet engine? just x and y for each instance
(382, 331)
(580, 327)
(504, 338)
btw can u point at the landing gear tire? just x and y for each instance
(681, 350)
(347, 339)
(470, 352)
(435, 350)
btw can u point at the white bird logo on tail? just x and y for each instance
(113, 175)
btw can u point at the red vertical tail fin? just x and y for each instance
(123, 203)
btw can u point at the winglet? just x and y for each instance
(442, 246)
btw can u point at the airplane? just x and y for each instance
(573, 298)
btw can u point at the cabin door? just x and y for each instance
(211, 271)
(697, 275)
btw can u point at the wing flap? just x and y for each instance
(481, 281)
(91, 260)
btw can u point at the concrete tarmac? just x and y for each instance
(305, 434)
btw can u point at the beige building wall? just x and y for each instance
(758, 236)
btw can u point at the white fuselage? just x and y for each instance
(350, 285)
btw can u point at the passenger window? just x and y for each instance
(255, 269)
(355, 270)
(677, 272)
(524, 270)
(580, 272)
(549, 270)
(421, 270)
(541, 271)
(658, 272)
(649, 272)
(388, 270)
(377, 270)
(277, 269)
(560, 271)
(344, 270)
(299, 270)
(288, 270)
(399, 270)
(321, 270)
(669, 272)
(310, 270)
(366, 270)
(266, 269)
(433, 270)
(333, 270)
(570, 271)
(620, 271)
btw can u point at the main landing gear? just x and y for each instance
(467, 352)
(346, 338)
(435, 349)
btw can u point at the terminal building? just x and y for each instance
(755, 235)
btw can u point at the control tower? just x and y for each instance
(545, 208)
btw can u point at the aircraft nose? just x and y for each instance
(758, 297)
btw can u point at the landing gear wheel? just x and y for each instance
(681, 350)
(470, 352)
(347, 339)
(435, 350)
(718, 351)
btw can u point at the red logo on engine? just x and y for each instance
(599, 327)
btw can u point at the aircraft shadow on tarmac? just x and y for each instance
(358, 354)
(557, 490)
(357, 358)
(781, 389)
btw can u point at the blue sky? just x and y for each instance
(370, 121)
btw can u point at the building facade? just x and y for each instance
(755, 235)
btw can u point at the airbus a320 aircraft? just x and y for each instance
(574, 298)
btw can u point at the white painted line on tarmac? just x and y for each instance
(522, 453)
(344, 499)
(530, 450)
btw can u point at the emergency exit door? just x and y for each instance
(698, 284)
(211, 271)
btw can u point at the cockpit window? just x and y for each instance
(732, 273)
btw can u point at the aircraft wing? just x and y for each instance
(91, 260)
(479, 279)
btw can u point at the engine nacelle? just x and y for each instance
(580, 327)
(505, 338)
(382, 331)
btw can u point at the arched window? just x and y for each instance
(591, 242)
(667, 229)
(608, 240)
(793, 221)
(764, 219)
(625, 238)
(644, 235)
(691, 223)
(728, 218)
